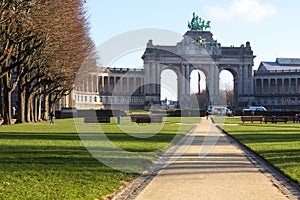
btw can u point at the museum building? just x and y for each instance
(277, 84)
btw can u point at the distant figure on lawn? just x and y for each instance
(52, 116)
(296, 118)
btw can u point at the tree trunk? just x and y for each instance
(46, 107)
(21, 105)
(1, 98)
(39, 108)
(6, 100)
(36, 105)
(7, 107)
(28, 107)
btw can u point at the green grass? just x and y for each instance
(42, 161)
(278, 144)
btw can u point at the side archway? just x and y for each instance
(228, 87)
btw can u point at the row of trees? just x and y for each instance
(42, 45)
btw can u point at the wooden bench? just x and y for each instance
(274, 119)
(143, 118)
(290, 118)
(252, 119)
(97, 119)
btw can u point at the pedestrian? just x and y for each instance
(206, 114)
(296, 118)
(52, 116)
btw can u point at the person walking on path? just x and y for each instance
(206, 114)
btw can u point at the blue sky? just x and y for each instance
(271, 26)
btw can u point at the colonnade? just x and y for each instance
(111, 83)
(276, 86)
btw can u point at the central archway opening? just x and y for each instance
(226, 87)
(198, 90)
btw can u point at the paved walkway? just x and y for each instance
(208, 165)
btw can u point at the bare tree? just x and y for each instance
(42, 45)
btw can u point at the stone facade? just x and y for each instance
(275, 85)
(199, 51)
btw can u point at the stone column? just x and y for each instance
(296, 85)
(134, 84)
(92, 83)
(96, 81)
(128, 86)
(262, 87)
(146, 78)
(241, 78)
(108, 83)
(187, 80)
(235, 87)
(276, 86)
(269, 86)
(158, 81)
(213, 85)
(154, 78)
(149, 75)
(142, 85)
(115, 83)
(282, 85)
(290, 86)
(103, 86)
(182, 82)
(255, 86)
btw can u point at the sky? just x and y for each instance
(271, 26)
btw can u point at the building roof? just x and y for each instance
(281, 64)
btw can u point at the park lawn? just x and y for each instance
(278, 144)
(43, 161)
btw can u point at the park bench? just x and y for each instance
(290, 118)
(252, 119)
(96, 119)
(274, 119)
(144, 118)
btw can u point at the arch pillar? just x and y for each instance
(213, 85)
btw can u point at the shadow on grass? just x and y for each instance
(38, 136)
(266, 137)
(116, 137)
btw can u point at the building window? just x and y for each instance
(95, 99)
(81, 98)
(85, 98)
(105, 99)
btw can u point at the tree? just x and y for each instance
(42, 44)
(17, 42)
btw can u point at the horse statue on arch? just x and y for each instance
(207, 25)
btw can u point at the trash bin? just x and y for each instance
(119, 119)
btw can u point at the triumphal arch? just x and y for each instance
(198, 50)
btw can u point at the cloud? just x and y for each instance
(246, 10)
